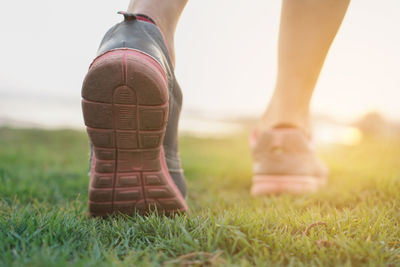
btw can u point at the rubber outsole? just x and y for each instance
(279, 184)
(125, 109)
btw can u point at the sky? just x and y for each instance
(225, 58)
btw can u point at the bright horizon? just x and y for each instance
(47, 48)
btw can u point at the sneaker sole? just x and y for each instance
(292, 184)
(125, 109)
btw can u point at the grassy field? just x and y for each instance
(43, 195)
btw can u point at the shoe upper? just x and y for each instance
(147, 38)
(285, 151)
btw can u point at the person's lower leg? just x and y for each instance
(307, 30)
(165, 13)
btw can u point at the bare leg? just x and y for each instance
(307, 30)
(165, 13)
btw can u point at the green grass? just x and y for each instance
(43, 191)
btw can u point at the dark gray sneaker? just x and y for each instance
(131, 104)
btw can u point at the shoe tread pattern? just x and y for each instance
(125, 109)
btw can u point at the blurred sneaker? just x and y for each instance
(284, 161)
(131, 104)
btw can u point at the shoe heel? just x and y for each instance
(125, 109)
(291, 184)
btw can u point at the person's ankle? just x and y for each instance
(286, 110)
(271, 120)
(162, 24)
